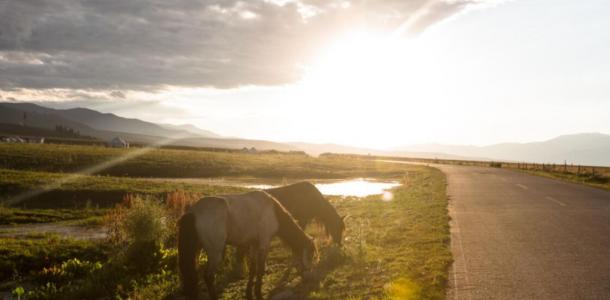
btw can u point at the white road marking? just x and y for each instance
(457, 232)
(555, 200)
(522, 186)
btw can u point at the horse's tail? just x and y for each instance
(188, 249)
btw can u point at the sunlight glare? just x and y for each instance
(363, 83)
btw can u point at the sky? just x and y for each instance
(376, 74)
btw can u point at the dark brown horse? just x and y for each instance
(247, 220)
(305, 202)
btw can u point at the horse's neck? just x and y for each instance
(327, 214)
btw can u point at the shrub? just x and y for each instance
(68, 270)
(138, 228)
(136, 220)
(176, 204)
(145, 222)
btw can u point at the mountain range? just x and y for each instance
(585, 148)
(582, 148)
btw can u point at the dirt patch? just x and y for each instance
(77, 232)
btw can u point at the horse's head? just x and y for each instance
(308, 257)
(336, 229)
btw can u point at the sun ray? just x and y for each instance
(72, 177)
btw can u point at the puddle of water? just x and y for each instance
(260, 186)
(360, 187)
(353, 187)
(356, 187)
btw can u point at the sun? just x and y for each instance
(359, 82)
(361, 59)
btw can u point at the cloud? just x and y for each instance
(149, 45)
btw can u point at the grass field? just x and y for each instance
(185, 163)
(396, 249)
(594, 180)
(64, 190)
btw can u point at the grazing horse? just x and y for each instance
(244, 220)
(305, 202)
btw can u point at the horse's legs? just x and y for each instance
(260, 272)
(214, 261)
(251, 271)
(238, 263)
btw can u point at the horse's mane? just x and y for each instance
(312, 199)
(329, 214)
(289, 230)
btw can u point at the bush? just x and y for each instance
(176, 204)
(138, 266)
(137, 229)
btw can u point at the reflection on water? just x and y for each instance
(353, 187)
(356, 187)
(260, 186)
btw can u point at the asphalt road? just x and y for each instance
(519, 236)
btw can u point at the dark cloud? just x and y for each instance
(151, 44)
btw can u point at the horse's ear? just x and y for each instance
(344, 218)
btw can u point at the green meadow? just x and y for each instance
(397, 249)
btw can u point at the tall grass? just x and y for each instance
(185, 163)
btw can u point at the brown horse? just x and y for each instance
(305, 202)
(245, 220)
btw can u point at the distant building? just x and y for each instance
(10, 139)
(118, 142)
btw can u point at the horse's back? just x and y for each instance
(252, 217)
(255, 202)
(302, 199)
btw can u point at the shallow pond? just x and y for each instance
(358, 187)
(353, 187)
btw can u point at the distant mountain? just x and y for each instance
(106, 126)
(37, 116)
(96, 120)
(192, 129)
(584, 148)
(316, 149)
